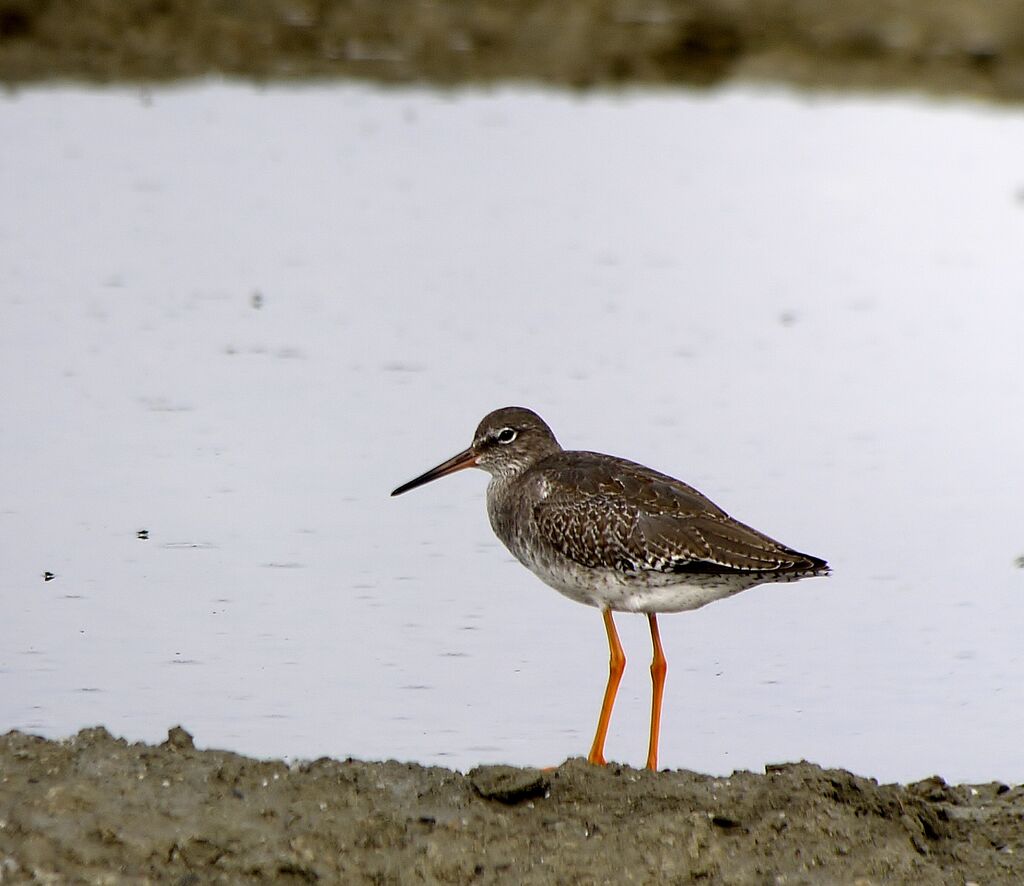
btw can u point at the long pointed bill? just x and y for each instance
(465, 459)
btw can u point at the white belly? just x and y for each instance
(641, 592)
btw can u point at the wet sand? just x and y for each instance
(965, 47)
(97, 809)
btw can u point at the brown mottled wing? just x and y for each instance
(610, 513)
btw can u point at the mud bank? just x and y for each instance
(973, 47)
(97, 809)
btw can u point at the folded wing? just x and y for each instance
(615, 514)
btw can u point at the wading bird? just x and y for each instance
(616, 535)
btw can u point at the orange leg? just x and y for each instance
(616, 665)
(659, 667)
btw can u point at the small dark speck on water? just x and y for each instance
(143, 534)
(257, 300)
(1019, 562)
(48, 576)
(787, 318)
(396, 366)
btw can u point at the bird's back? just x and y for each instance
(608, 513)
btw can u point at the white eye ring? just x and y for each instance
(506, 435)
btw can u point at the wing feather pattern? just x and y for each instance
(611, 513)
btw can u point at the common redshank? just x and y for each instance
(616, 535)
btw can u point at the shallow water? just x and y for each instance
(237, 318)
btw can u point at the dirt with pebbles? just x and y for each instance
(96, 809)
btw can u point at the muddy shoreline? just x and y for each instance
(97, 809)
(944, 47)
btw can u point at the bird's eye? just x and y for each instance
(506, 435)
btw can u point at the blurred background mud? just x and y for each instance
(962, 47)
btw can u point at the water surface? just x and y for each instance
(237, 318)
